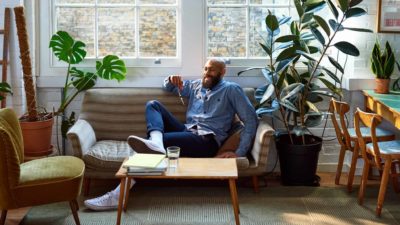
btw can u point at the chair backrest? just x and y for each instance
(370, 120)
(11, 155)
(340, 108)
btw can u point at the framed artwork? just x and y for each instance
(388, 16)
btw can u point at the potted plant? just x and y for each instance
(4, 89)
(68, 50)
(382, 65)
(295, 77)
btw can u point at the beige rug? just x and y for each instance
(212, 206)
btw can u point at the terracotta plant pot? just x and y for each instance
(37, 137)
(382, 86)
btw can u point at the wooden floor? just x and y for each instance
(14, 217)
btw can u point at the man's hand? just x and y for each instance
(227, 155)
(176, 80)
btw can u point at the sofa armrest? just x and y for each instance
(82, 137)
(262, 143)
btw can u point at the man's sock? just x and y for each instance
(157, 137)
(116, 191)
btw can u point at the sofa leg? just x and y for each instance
(86, 186)
(3, 217)
(255, 184)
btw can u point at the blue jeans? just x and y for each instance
(176, 134)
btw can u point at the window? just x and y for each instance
(135, 30)
(235, 27)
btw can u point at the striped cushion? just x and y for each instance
(366, 132)
(387, 147)
(107, 154)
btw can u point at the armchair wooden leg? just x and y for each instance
(383, 186)
(3, 217)
(255, 184)
(74, 208)
(395, 180)
(340, 164)
(86, 186)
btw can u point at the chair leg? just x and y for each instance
(363, 184)
(383, 186)
(74, 208)
(255, 184)
(3, 217)
(340, 164)
(86, 186)
(352, 168)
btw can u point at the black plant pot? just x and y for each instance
(299, 162)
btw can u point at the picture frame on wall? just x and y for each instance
(388, 16)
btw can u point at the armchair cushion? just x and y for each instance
(107, 154)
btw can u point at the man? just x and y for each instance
(212, 106)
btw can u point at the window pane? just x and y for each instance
(226, 2)
(157, 31)
(270, 2)
(227, 32)
(79, 23)
(157, 1)
(116, 1)
(74, 1)
(116, 31)
(258, 28)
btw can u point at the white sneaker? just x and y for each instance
(105, 202)
(142, 145)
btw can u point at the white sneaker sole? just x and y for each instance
(100, 208)
(140, 146)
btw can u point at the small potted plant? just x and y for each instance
(382, 65)
(296, 80)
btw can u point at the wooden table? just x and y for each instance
(189, 168)
(386, 105)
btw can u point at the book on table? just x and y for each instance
(150, 167)
(143, 160)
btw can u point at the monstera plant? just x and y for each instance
(299, 74)
(67, 49)
(4, 89)
(71, 51)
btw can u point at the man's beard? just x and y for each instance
(212, 82)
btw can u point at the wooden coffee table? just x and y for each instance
(189, 168)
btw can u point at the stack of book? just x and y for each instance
(146, 164)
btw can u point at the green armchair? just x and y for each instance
(37, 182)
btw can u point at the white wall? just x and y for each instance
(358, 76)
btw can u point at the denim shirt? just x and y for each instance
(211, 111)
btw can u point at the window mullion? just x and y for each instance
(96, 30)
(137, 31)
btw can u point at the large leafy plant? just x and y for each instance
(382, 62)
(294, 77)
(4, 89)
(71, 51)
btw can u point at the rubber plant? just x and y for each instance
(294, 72)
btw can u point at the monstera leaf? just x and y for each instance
(66, 48)
(4, 88)
(81, 80)
(111, 68)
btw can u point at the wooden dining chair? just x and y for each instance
(383, 155)
(347, 139)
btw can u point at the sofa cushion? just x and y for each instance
(107, 154)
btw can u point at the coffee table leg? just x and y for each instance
(235, 202)
(121, 199)
(127, 192)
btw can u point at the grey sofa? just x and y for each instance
(109, 115)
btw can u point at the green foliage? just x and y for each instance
(4, 89)
(293, 78)
(71, 51)
(382, 62)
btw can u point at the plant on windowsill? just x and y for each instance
(66, 49)
(382, 65)
(294, 91)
